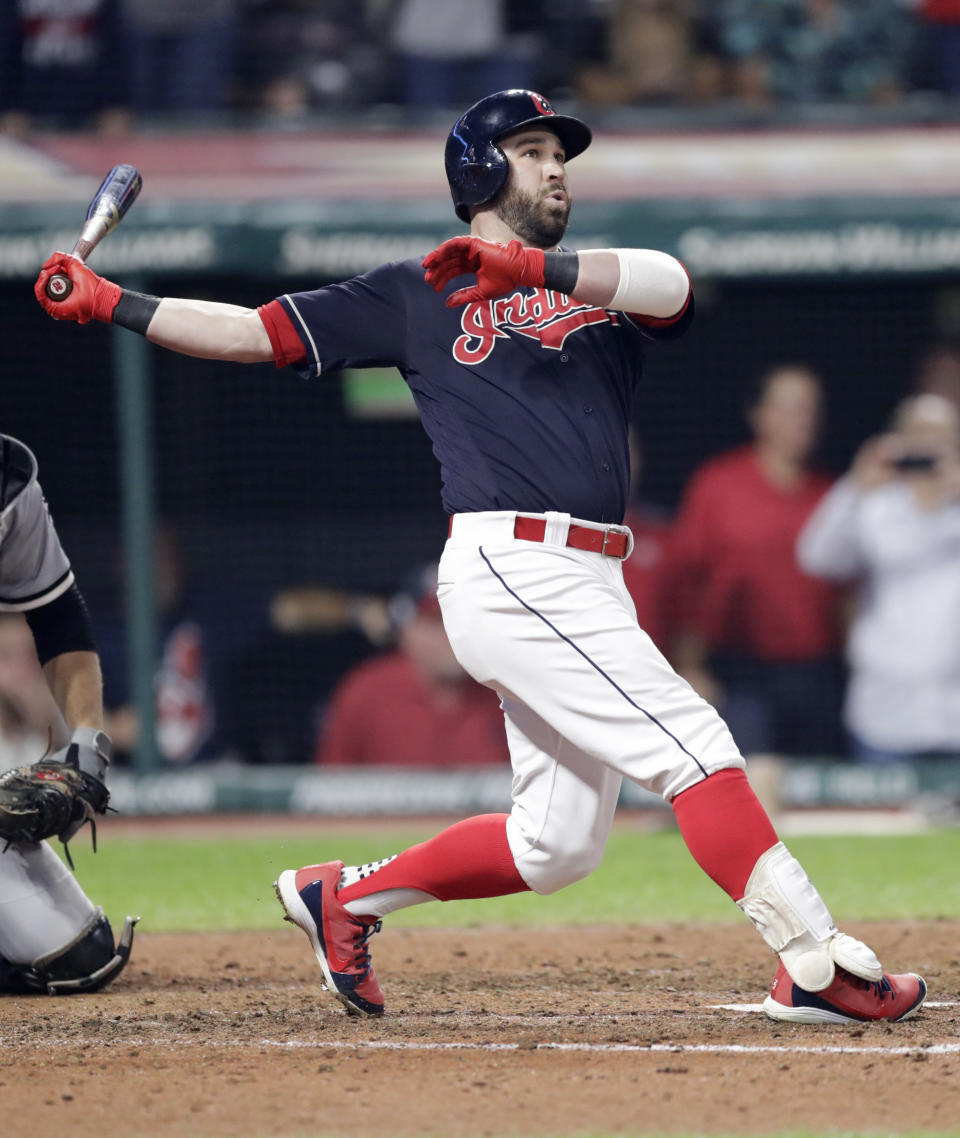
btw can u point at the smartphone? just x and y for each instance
(916, 463)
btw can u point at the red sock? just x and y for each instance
(725, 828)
(470, 859)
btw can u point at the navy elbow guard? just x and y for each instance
(87, 964)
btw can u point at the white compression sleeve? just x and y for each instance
(651, 283)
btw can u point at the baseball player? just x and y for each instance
(52, 937)
(525, 368)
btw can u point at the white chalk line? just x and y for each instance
(629, 1048)
(440, 1045)
(759, 1007)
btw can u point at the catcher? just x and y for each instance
(52, 937)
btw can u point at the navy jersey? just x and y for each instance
(526, 398)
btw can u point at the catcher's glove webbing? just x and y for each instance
(50, 798)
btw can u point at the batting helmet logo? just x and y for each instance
(541, 103)
(477, 168)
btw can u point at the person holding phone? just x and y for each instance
(893, 524)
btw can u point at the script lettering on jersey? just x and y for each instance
(549, 317)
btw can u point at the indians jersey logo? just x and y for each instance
(549, 317)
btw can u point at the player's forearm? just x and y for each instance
(77, 687)
(644, 281)
(210, 330)
(192, 327)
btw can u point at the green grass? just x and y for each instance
(771, 1134)
(796, 1134)
(767, 1134)
(226, 883)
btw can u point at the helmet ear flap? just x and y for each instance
(483, 174)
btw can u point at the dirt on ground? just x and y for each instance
(559, 1031)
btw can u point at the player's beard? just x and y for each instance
(533, 221)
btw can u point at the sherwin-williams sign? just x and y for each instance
(826, 244)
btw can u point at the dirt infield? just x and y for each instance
(489, 1032)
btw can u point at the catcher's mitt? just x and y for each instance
(49, 798)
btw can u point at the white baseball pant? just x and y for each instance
(587, 697)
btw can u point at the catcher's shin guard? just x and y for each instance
(86, 964)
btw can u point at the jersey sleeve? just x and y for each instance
(356, 323)
(34, 569)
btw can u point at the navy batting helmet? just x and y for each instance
(476, 167)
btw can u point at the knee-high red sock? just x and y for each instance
(725, 828)
(469, 859)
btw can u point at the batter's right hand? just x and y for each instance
(92, 297)
(499, 269)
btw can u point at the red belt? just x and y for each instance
(610, 543)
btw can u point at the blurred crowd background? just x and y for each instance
(796, 497)
(74, 62)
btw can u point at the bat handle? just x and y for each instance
(59, 286)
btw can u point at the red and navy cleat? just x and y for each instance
(339, 939)
(848, 999)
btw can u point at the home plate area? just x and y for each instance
(489, 1031)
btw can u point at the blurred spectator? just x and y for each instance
(180, 53)
(940, 23)
(652, 53)
(645, 570)
(416, 706)
(203, 627)
(760, 638)
(296, 56)
(62, 62)
(893, 523)
(453, 52)
(938, 373)
(814, 50)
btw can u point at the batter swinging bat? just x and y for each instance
(116, 195)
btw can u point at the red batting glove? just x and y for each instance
(92, 298)
(499, 269)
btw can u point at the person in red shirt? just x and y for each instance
(645, 570)
(413, 707)
(761, 638)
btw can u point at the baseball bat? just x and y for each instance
(116, 195)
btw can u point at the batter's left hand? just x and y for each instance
(499, 269)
